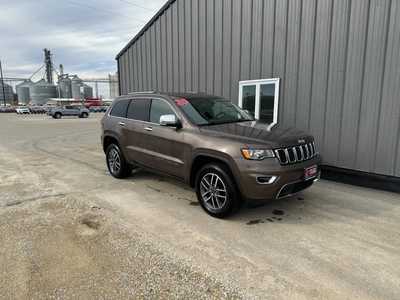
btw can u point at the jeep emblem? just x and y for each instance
(302, 141)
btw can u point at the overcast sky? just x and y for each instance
(84, 35)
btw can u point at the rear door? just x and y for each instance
(164, 146)
(135, 135)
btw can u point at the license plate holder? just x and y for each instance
(310, 172)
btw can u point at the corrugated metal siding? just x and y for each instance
(338, 60)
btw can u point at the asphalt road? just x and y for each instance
(333, 241)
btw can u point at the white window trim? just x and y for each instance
(258, 83)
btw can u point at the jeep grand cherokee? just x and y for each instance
(209, 143)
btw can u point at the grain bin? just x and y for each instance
(23, 91)
(65, 88)
(87, 91)
(41, 92)
(76, 84)
(8, 93)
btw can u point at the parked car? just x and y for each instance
(212, 145)
(59, 112)
(21, 110)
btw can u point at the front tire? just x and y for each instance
(84, 115)
(116, 162)
(216, 191)
(57, 116)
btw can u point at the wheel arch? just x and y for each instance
(203, 158)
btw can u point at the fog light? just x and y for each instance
(266, 179)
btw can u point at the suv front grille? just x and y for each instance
(296, 154)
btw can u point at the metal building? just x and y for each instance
(330, 67)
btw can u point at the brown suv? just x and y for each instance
(209, 143)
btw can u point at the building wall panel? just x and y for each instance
(338, 62)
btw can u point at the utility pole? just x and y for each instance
(2, 84)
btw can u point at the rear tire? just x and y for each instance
(84, 115)
(216, 191)
(116, 162)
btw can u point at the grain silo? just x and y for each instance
(76, 84)
(41, 92)
(87, 91)
(23, 91)
(65, 88)
(8, 94)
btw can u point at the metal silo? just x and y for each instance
(87, 91)
(64, 85)
(76, 84)
(8, 93)
(41, 92)
(23, 91)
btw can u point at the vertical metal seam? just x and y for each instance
(282, 91)
(222, 48)
(198, 45)
(296, 98)
(367, 32)
(184, 45)
(344, 79)
(231, 51)
(322, 146)
(251, 38)
(191, 44)
(273, 42)
(178, 49)
(260, 74)
(214, 44)
(312, 65)
(241, 36)
(387, 26)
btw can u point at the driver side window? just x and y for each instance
(158, 109)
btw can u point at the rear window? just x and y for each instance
(139, 109)
(120, 108)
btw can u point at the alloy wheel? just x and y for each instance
(114, 161)
(213, 191)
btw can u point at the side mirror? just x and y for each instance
(170, 121)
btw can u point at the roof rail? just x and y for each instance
(144, 92)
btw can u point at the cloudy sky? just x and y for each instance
(84, 35)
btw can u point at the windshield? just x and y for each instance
(212, 111)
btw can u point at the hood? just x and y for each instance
(255, 132)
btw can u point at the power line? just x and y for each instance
(137, 5)
(103, 10)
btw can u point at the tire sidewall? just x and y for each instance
(123, 171)
(233, 197)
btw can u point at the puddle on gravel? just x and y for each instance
(253, 222)
(194, 203)
(278, 212)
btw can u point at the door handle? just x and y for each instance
(148, 128)
(121, 124)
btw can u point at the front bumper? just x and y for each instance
(289, 179)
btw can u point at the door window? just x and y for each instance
(119, 109)
(260, 98)
(139, 110)
(158, 109)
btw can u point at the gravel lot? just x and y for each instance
(69, 230)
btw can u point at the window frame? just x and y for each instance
(258, 83)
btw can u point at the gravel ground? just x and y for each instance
(66, 248)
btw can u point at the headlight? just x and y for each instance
(257, 154)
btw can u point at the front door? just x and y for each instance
(165, 145)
